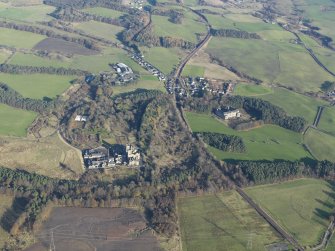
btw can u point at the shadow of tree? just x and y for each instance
(10, 215)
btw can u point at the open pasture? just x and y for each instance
(273, 62)
(294, 104)
(19, 39)
(327, 121)
(268, 142)
(187, 30)
(251, 90)
(321, 145)
(320, 14)
(193, 71)
(4, 54)
(105, 229)
(104, 12)
(47, 156)
(14, 122)
(103, 30)
(301, 206)
(145, 82)
(37, 86)
(33, 13)
(222, 222)
(165, 59)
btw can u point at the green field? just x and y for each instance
(37, 85)
(222, 222)
(165, 59)
(99, 29)
(295, 104)
(93, 63)
(274, 62)
(146, 82)
(19, 39)
(250, 90)
(99, 11)
(268, 142)
(31, 13)
(14, 122)
(302, 206)
(193, 71)
(321, 145)
(327, 121)
(187, 30)
(322, 19)
(3, 56)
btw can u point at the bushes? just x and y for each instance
(234, 34)
(227, 143)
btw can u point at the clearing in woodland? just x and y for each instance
(302, 207)
(222, 222)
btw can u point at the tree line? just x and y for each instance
(258, 108)
(20, 69)
(12, 98)
(261, 172)
(224, 142)
(234, 33)
(89, 44)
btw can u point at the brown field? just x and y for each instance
(99, 229)
(212, 70)
(61, 46)
(48, 156)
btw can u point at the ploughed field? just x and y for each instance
(222, 222)
(302, 207)
(95, 229)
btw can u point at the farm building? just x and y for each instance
(81, 118)
(227, 114)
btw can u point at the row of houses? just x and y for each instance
(227, 113)
(103, 157)
(138, 58)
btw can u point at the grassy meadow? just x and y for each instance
(301, 206)
(43, 156)
(100, 11)
(32, 13)
(222, 222)
(268, 142)
(193, 71)
(327, 121)
(37, 86)
(273, 62)
(251, 90)
(14, 122)
(294, 104)
(99, 29)
(19, 39)
(145, 82)
(165, 59)
(93, 63)
(321, 145)
(187, 30)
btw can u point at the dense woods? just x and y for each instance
(260, 172)
(234, 34)
(227, 143)
(258, 108)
